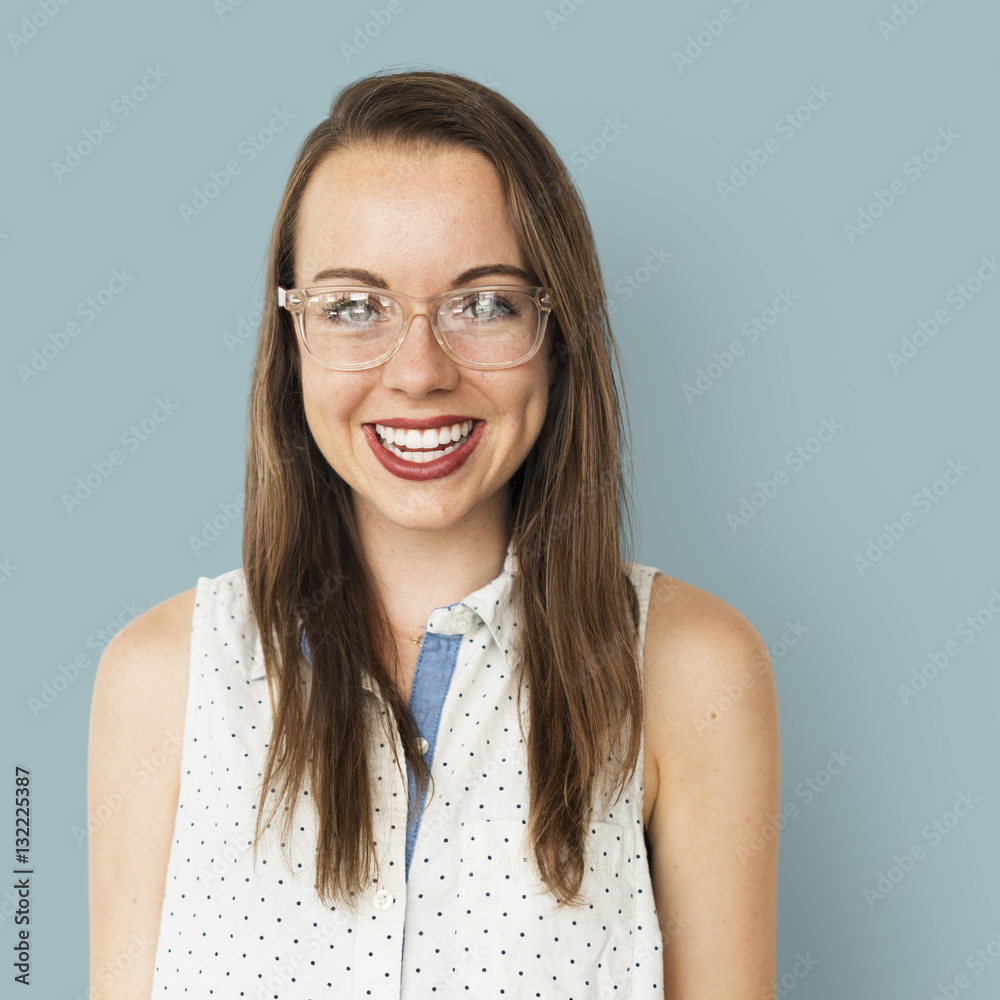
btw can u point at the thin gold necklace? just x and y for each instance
(405, 636)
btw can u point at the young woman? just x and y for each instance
(438, 737)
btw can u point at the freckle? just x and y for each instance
(713, 715)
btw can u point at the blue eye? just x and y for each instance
(485, 306)
(351, 309)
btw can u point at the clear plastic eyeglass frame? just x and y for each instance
(295, 301)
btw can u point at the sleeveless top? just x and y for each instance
(458, 909)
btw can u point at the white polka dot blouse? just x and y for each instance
(458, 910)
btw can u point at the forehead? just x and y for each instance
(411, 214)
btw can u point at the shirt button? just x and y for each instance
(383, 899)
(422, 745)
(461, 621)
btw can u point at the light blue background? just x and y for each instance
(681, 130)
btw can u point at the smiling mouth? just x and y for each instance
(422, 446)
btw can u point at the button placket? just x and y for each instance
(380, 923)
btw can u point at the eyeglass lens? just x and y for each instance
(486, 326)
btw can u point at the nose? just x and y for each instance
(420, 365)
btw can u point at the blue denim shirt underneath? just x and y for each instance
(431, 679)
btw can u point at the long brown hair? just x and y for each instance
(570, 511)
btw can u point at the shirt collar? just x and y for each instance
(492, 605)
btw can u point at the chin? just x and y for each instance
(418, 517)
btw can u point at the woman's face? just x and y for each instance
(418, 222)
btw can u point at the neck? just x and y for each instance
(417, 570)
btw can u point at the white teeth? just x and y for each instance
(394, 438)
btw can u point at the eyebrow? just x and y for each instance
(373, 280)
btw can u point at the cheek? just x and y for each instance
(526, 406)
(315, 401)
(329, 401)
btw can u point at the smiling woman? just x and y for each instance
(514, 802)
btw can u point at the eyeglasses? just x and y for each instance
(351, 328)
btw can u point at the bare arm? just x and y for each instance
(712, 719)
(133, 780)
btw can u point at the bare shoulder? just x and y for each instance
(708, 682)
(711, 727)
(696, 641)
(133, 782)
(166, 626)
(143, 670)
